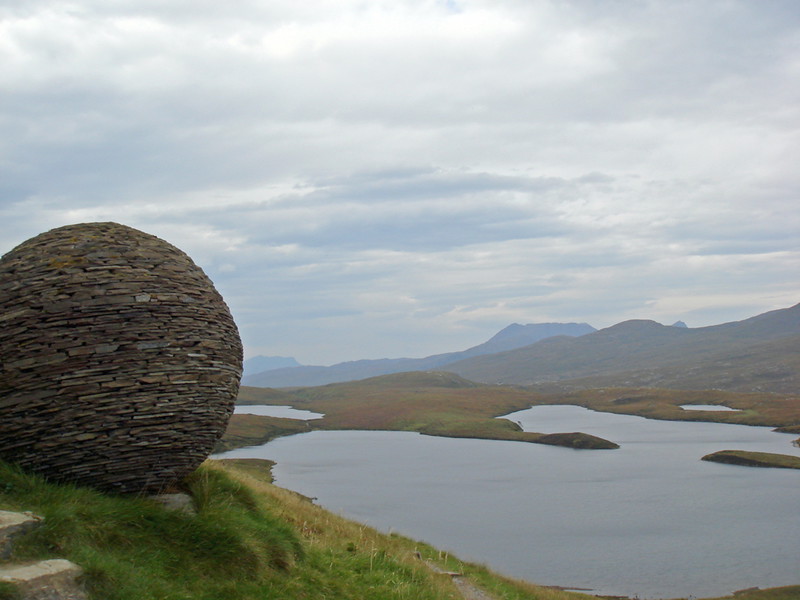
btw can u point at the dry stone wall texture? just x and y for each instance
(120, 360)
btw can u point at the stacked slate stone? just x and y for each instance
(120, 361)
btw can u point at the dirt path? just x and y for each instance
(468, 590)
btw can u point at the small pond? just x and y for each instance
(285, 412)
(710, 407)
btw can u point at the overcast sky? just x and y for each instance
(366, 179)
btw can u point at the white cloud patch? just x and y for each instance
(365, 180)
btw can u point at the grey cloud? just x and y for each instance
(418, 210)
(427, 174)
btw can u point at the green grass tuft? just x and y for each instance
(131, 547)
(9, 592)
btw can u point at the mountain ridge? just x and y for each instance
(757, 354)
(612, 354)
(771, 366)
(260, 363)
(512, 336)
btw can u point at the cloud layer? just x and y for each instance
(404, 178)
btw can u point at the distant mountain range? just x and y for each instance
(259, 364)
(513, 336)
(757, 354)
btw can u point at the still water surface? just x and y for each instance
(649, 519)
(269, 410)
(709, 407)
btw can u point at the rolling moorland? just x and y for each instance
(444, 404)
(433, 403)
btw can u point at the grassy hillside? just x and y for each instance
(249, 540)
(772, 366)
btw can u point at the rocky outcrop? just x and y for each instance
(120, 361)
(13, 525)
(54, 579)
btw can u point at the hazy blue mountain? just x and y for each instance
(513, 336)
(259, 364)
(517, 336)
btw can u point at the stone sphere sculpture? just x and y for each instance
(120, 360)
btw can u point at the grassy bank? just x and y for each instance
(248, 540)
(251, 430)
